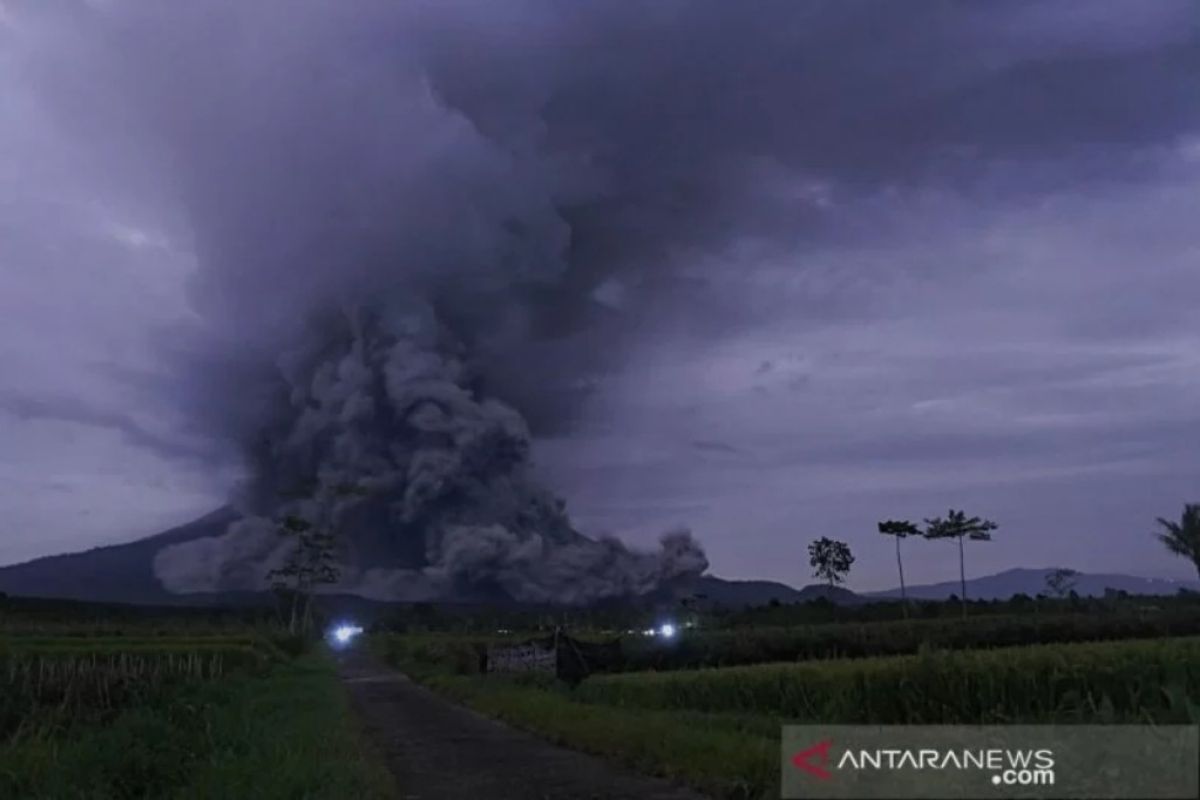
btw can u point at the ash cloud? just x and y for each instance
(422, 230)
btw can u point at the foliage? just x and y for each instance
(900, 529)
(1183, 538)
(722, 755)
(830, 559)
(698, 648)
(286, 734)
(423, 655)
(46, 684)
(717, 730)
(957, 525)
(1140, 681)
(311, 562)
(1060, 582)
(28, 615)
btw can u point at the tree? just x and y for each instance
(957, 525)
(1061, 581)
(830, 560)
(1183, 538)
(900, 529)
(309, 563)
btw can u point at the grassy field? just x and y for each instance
(705, 647)
(198, 713)
(718, 728)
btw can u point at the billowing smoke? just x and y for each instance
(422, 229)
(378, 434)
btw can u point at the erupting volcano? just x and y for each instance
(379, 434)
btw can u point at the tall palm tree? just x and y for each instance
(1183, 538)
(957, 525)
(899, 529)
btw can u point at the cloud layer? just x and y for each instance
(737, 270)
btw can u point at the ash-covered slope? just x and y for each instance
(378, 432)
(126, 573)
(122, 573)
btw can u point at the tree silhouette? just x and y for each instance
(957, 525)
(1183, 538)
(900, 529)
(1061, 581)
(310, 562)
(830, 560)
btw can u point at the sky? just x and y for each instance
(840, 264)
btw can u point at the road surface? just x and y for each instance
(441, 751)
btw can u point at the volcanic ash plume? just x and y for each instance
(378, 433)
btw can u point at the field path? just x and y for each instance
(441, 751)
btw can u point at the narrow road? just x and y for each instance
(441, 751)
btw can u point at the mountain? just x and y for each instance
(122, 573)
(739, 594)
(1032, 582)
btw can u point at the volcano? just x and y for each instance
(124, 573)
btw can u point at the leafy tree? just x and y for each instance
(830, 560)
(1061, 581)
(1183, 538)
(900, 529)
(957, 525)
(310, 563)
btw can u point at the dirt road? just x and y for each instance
(440, 751)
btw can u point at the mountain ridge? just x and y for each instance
(124, 573)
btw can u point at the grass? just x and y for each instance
(1133, 681)
(723, 755)
(756, 645)
(718, 729)
(283, 734)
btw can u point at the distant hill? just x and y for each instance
(122, 573)
(1032, 582)
(739, 594)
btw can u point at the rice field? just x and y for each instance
(718, 728)
(165, 708)
(1126, 681)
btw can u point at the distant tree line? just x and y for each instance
(831, 559)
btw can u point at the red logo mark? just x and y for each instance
(820, 754)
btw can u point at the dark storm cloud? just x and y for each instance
(509, 160)
(538, 190)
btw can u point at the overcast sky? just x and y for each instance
(985, 295)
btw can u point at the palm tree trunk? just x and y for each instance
(903, 591)
(292, 622)
(962, 575)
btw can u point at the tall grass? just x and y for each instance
(279, 735)
(52, 683)
(1101, 682)
(719, 648)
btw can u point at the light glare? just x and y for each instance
(344, 633)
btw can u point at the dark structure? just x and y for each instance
(569, 659)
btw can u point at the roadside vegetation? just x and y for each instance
(708, 712)
(116, 710)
